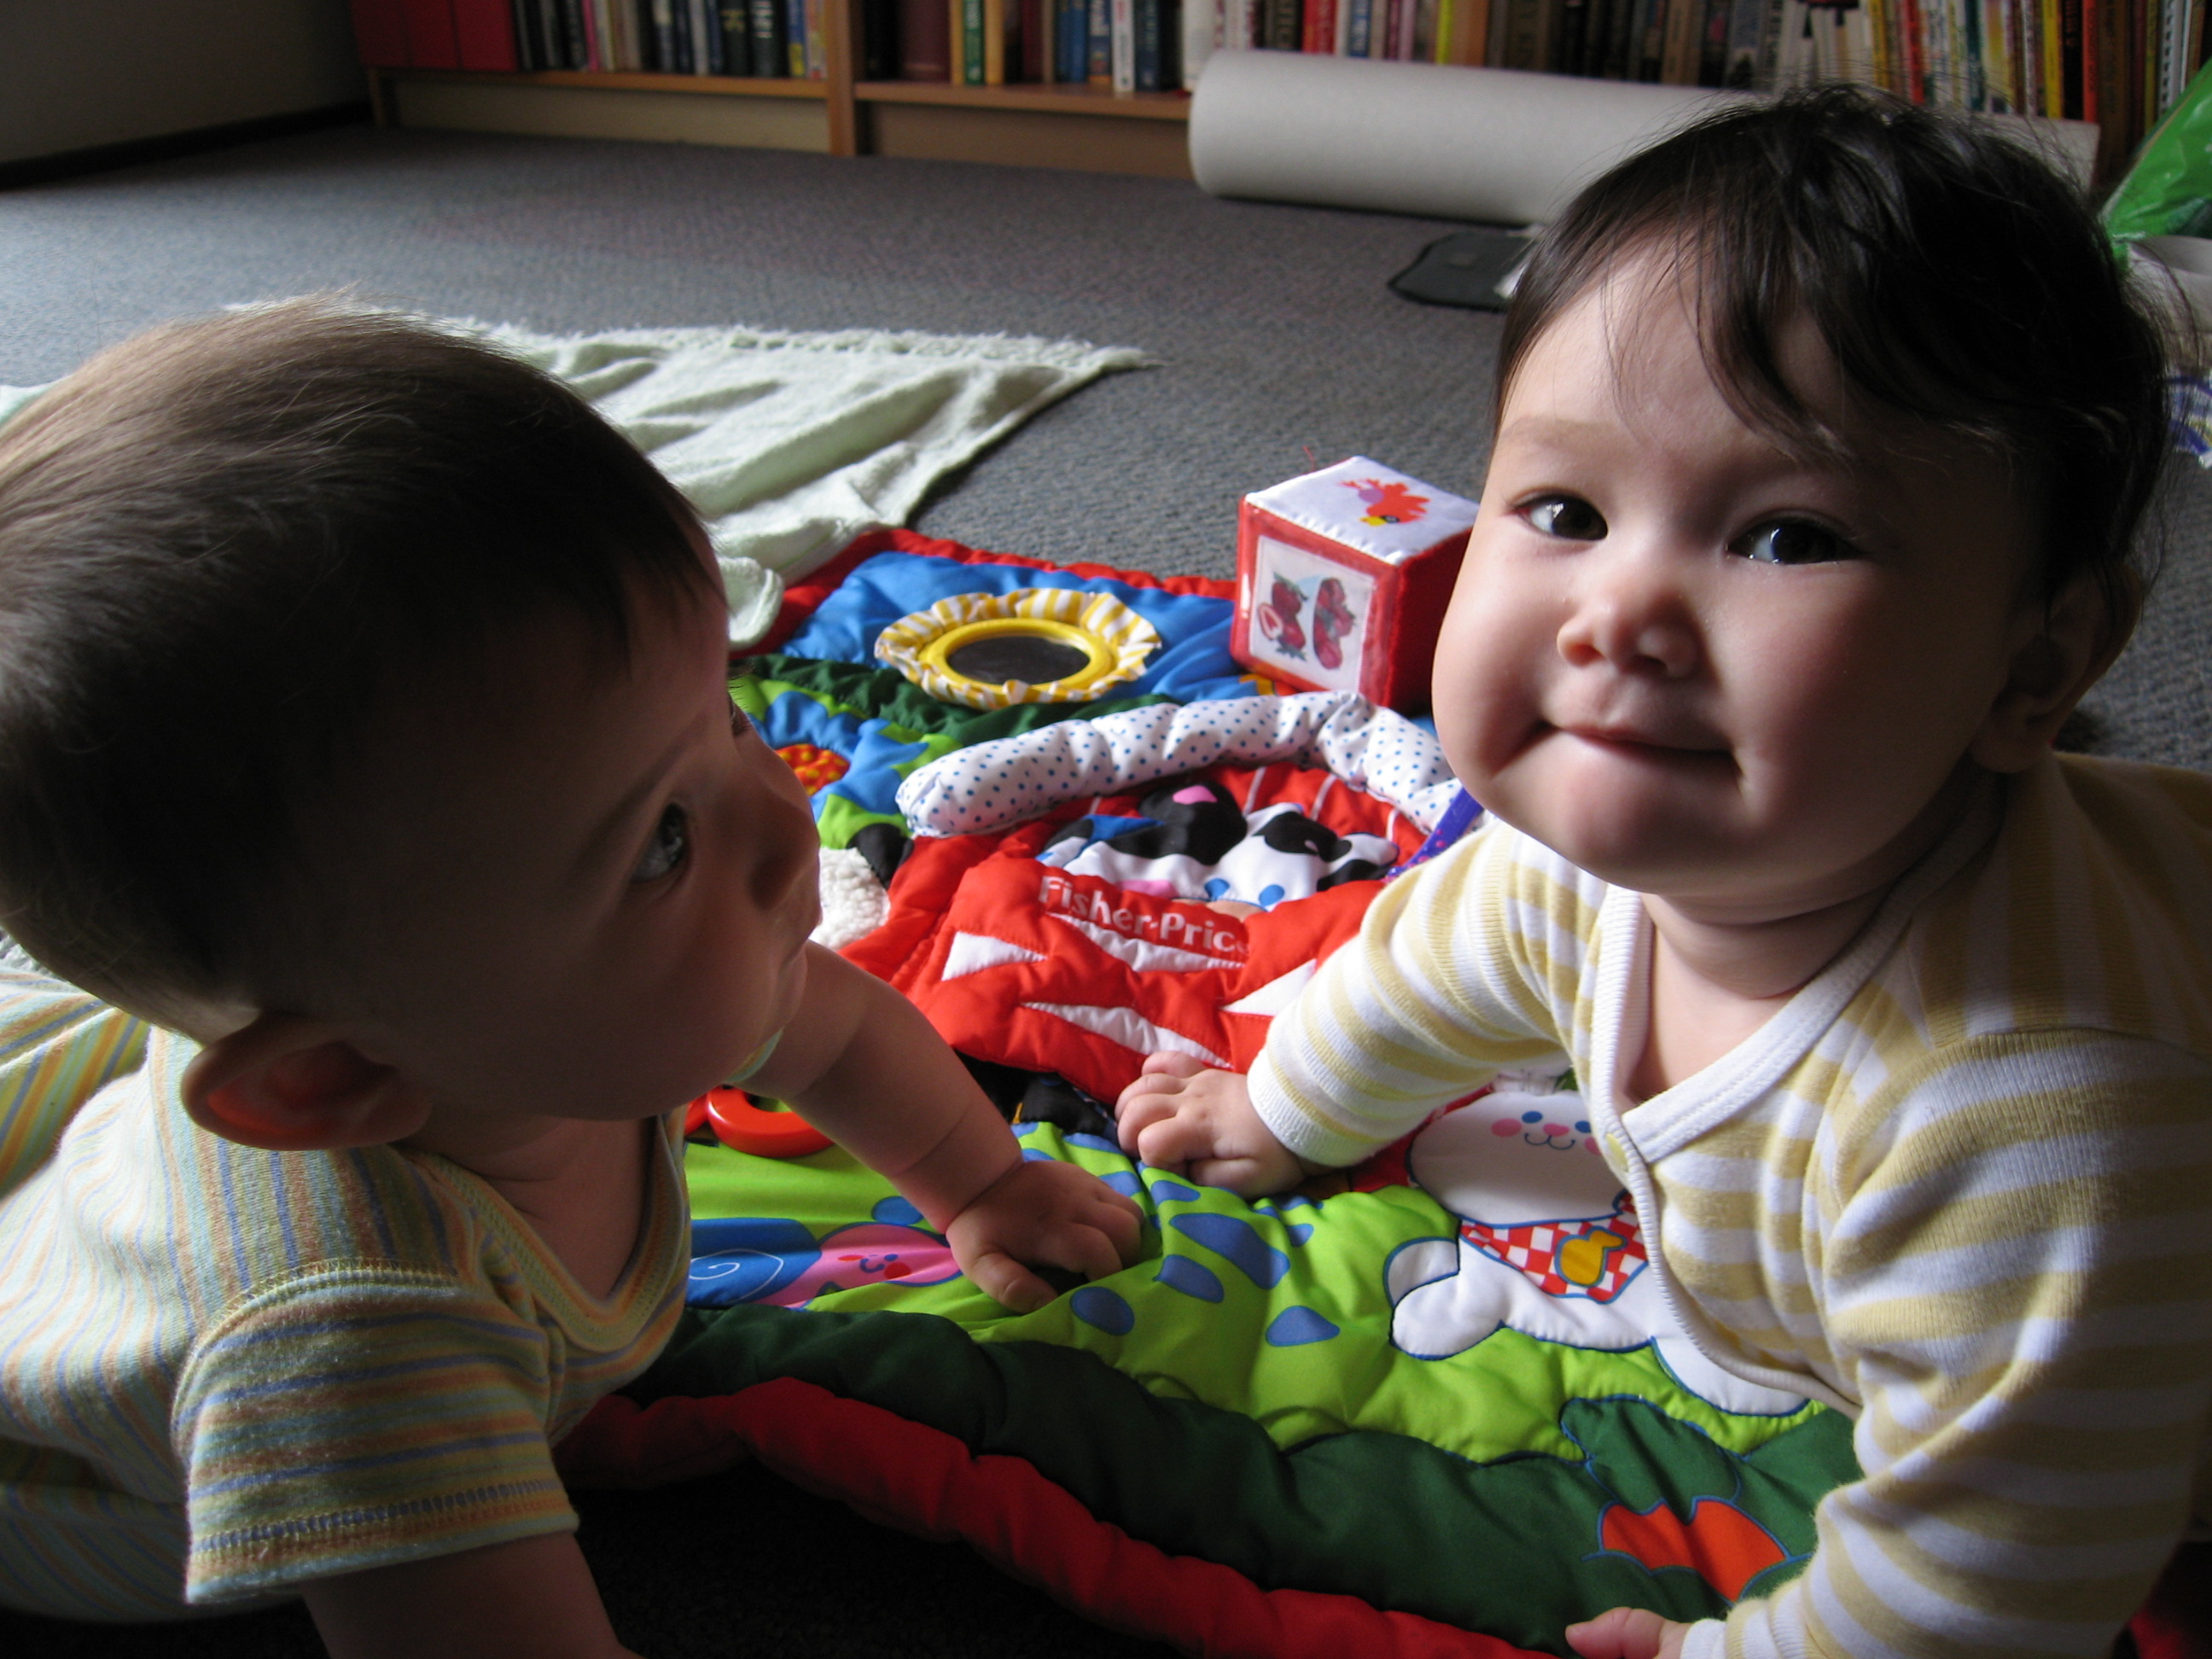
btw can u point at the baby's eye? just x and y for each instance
(1568, 517)
(1792, 540)
(665, 853)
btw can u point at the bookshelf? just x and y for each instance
(1081, 128)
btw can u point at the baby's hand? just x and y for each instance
(1627, 1633)
(1047, 1212)
(1179, 1115)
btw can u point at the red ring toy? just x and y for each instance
(737, 1122)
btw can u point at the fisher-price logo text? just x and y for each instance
(1187, 926)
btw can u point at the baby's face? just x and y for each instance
(1702, 669)
(575, 891)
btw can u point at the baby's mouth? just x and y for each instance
(1649, 745)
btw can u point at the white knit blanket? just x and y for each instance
(789, 444)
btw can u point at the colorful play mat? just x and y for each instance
(1430, 1406)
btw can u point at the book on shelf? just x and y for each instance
(734, 20)
(484, 34)
(925, 45)
(879, 22)
(795, 39)
(770, 57)
(1124, 45)
(1099, 63)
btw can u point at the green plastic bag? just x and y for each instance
(2168, 191)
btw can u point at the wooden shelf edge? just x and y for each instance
(1049, 98)
(712, 85)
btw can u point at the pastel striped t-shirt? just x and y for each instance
(226, 1372)
(1959, 1186)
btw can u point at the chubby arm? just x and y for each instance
(530, 1599)
(861, 1063)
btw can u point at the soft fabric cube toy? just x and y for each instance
(1342, 577)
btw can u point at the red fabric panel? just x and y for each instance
(921, 1481)
(380, 34)
(800, 597)
(483, 33)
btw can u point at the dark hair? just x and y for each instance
(1957, 279)
(219, 543)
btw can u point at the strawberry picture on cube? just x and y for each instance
(1342, 577)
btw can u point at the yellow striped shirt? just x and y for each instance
(1960, 1185)
(226, 1372)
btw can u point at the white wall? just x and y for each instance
(75, 73)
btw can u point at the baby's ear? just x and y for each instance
(2059, 651)
(287, 1083)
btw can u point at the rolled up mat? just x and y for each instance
(1507, 147)
(1498, 146)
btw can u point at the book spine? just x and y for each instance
(1651, 39)
(1123, 46)
(594, 50)
(2069, 58)
(817, 39)
(991, 39)
(765, 20)
(924, 54)
(1145, 17)
(1028, 51)
(1572, 35)
(737, 31)
(1099, 55)
(1359, 28)
(2092, 59)
(1073, 41)
(1641, 48)
(972, 52)
(577, 49)
(795, 39)
(1678, 50)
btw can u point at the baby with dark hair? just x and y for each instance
(1824, 429)
(367, 759)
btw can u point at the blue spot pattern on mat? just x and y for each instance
(1023, 1130)
(1294, 1327)
(1037, 1155)
(895, 1211)
(1172, 1192)
(1226, 1236)
(1299, 1231)
(1096, 1143)
(1180, 1272)
(1124, 1182)
(1094, 1304)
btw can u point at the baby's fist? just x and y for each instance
(1627, 1633)
(1179, 1115)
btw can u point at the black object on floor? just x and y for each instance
(1464, 269)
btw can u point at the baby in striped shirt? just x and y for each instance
(371, 778)
(1823, 430)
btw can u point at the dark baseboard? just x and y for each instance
(105, 158)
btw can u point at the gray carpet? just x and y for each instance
(1280, 349)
